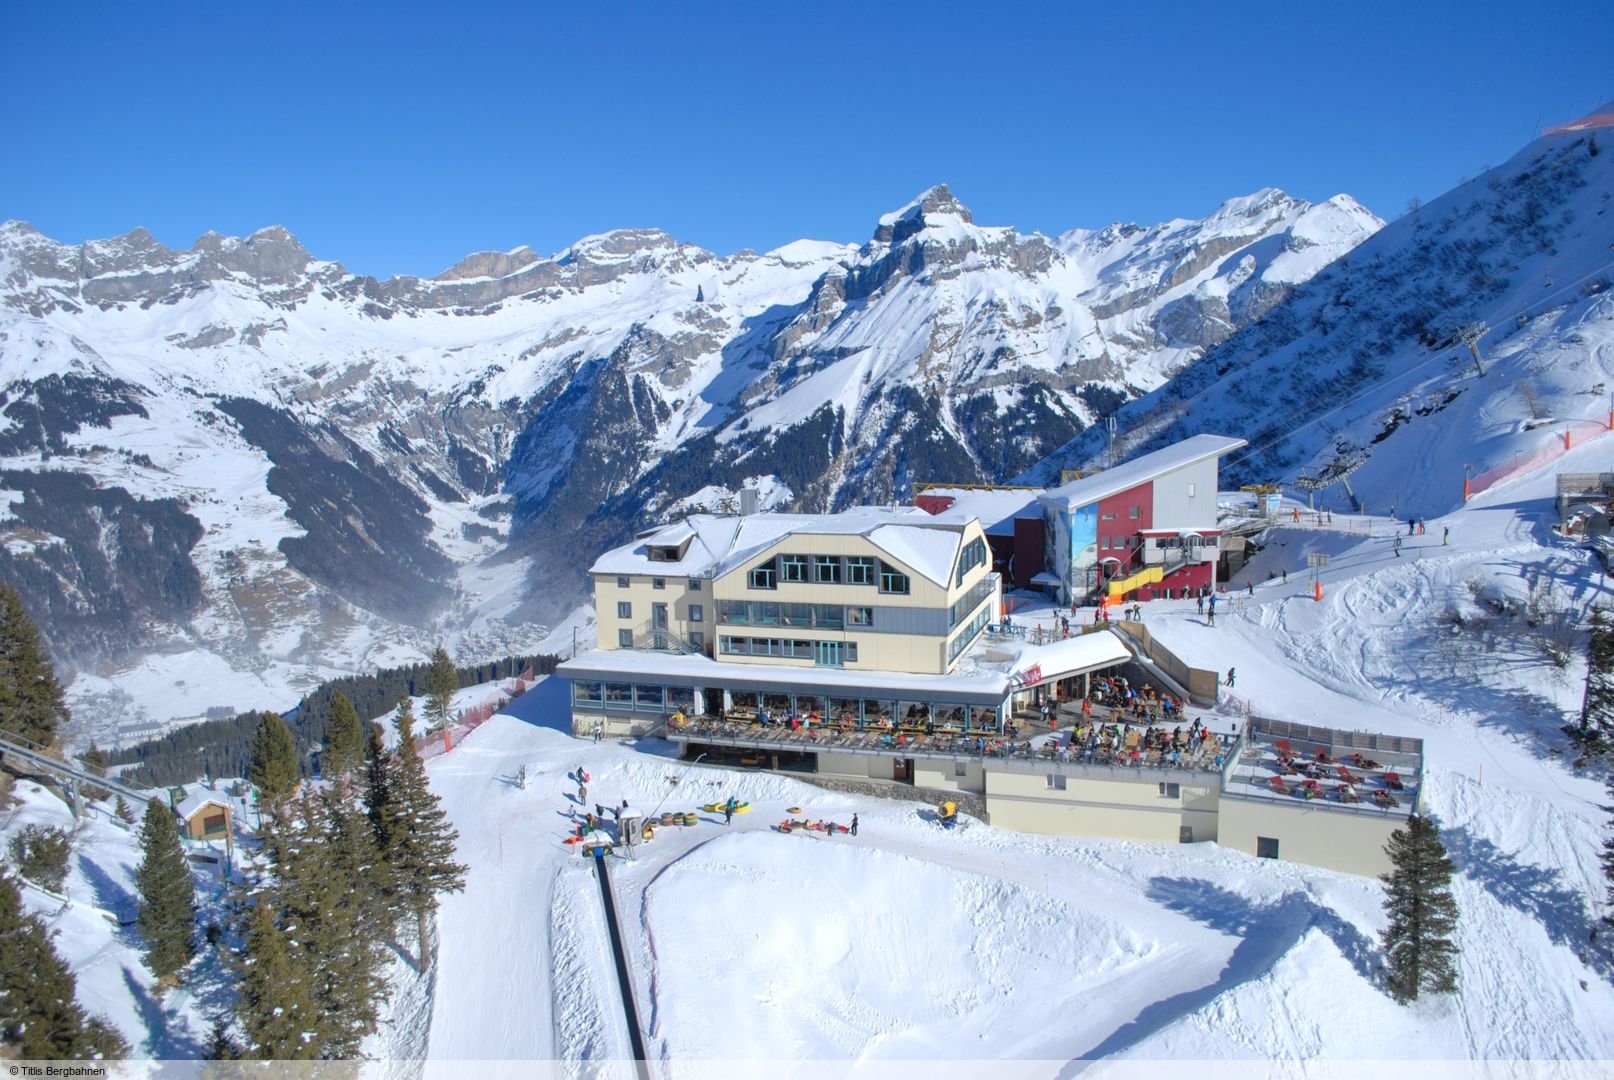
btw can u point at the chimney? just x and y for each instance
(748, 501)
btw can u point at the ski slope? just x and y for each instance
(908, 943)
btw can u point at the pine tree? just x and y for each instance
(123, 811)
(1593, 733)
(344, 739)
(32, 709)
(39, 1017)
(1418, 942)
(167, 899)
(441, 682)
(346, 950)
(222, 1044)
(414, 837)
(95, 761)
(273, 768)
(276, 1006)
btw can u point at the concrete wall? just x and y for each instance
(1334, 839)
(1123, 809)
(943, 775)
(617, 725)
(1175, 508)
(855, 766)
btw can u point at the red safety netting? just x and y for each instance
(1562, 443)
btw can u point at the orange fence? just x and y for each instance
(470, 719)
(1565, 441)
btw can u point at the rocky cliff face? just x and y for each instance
(311, 470)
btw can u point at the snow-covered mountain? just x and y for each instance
(240, 466)
(1363, 374)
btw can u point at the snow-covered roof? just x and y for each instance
(187, 807)
(995, 508)
(716, 545)
(1141, 470)
(979, 680)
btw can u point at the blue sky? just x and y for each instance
(397, 138)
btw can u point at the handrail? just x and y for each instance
(81, 775)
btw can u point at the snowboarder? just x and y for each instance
(1232, 674)
(854, 825)
(1445, 535)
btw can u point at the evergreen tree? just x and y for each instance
(273, 769)
(32, 709)
(222, 1044)
(1423, 915)
(167, 900)
(1593, 733)
(39, 1017)
(414, 837)
(123, 811)
(441, 682)
(95, 761)
(40, 853)
(344, 739)
(276, 1006)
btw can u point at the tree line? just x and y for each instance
(224, 747)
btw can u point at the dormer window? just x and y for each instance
(893, 580)
(765, 576)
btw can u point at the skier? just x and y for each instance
(599, 729)
(1231, 677)
(854, 825)
(1251, 587)
(1396, 547)
(1412, 523)
(1445, 535)
(1211, 612)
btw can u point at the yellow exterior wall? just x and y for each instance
(854, 766)
(642, 594)
(1122, 809)
(1332, 839)
(877, 651)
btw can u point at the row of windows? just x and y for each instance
(769, 613)
(823, 653)
(639, 696)
(968, 634)
(969, 602)
(828, 570)
(623, 582)
(868, 710)
(697, 612)
(624, 639)
(974, 555)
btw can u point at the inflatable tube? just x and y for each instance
(717, 808)
(793, 810)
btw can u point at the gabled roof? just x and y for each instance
(1141, 470)
(717, 545)
(187, 807)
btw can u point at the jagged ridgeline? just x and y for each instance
(223, 747)
(259, 456)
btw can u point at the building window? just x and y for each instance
(1135, 513)
(1107, 517)
(1191, 495)
(1104, 543)
(859, 616)
(827, 569)
(697, 613)
(1266, 847)
(793, 568)
(624, 610)
(859, 570)
(619, 694)
(765, 576)
(974, 555)
(1170, 791)
(624, 639)
(694, 584)
(658, 583)
(961, 768)
(587, 693)
(893, 581)
(1185, 834)
(622, 583)
(1056, 782)
(697, 639)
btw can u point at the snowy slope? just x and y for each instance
(1361, 371)
(233, 470)
(908, 942)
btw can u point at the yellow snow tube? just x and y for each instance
(717, 808)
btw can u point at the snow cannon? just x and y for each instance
(947, 812)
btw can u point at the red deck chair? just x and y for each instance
(1393, 781)
(1278, 785)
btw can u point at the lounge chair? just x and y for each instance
(1393, 782)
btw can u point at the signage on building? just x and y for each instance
(1274, 503)
(1031, 676)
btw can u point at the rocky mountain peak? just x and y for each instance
(486, 264)
(919, 213)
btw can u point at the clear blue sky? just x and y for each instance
(397, 137)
